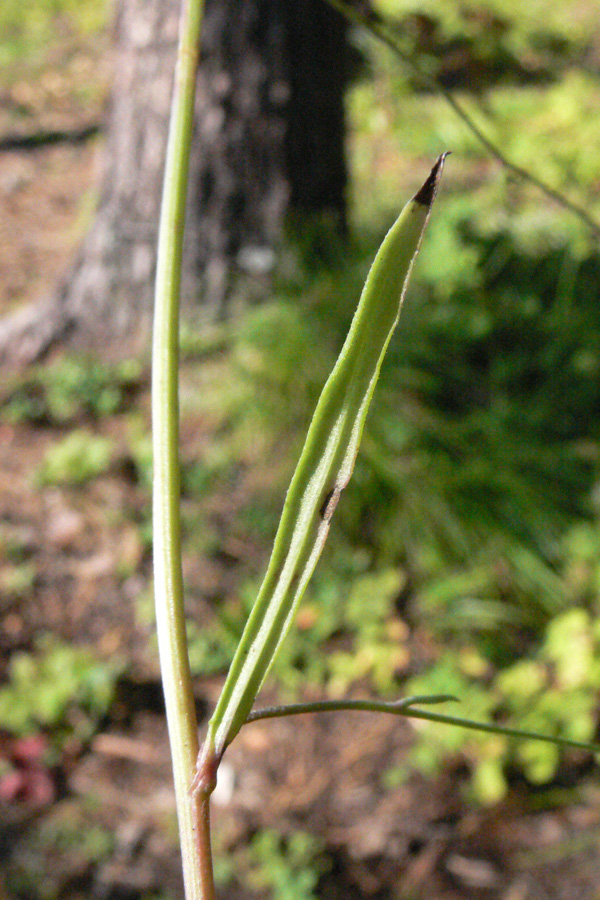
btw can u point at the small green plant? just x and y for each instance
(61, 689)
(288, 867)
(75, 460)
(553, 691)
(16, 579)
(69, 389)
(63, 845)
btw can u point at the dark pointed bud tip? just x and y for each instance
(426, 194)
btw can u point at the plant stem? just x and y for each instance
(202, 807)
(406, 708)
(192, 811)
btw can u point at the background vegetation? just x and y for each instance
(466, 553)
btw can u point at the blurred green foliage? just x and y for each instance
(76, 459)
(16, 580)
(553, 691)
(56, 849)
(58, 688)
(69, 389)
(527, 74)
(475, 45)
(287, 867)
(31, 29)
(357, 604)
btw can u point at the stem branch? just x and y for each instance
(406, 708)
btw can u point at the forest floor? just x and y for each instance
(297, 798)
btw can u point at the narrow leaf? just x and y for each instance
(324, 468)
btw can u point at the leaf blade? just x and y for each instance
(325, 466)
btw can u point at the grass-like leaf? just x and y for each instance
(323, 471)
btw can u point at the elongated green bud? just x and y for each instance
(324, 468)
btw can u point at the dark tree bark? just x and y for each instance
(318, 70)
(269, 136)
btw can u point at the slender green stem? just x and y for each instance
(192, 812)
(345, 705)
(202, 807)
(406, 708)
(375, 27)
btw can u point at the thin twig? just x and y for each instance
(294, 709)
(383, 34)
(406, 708)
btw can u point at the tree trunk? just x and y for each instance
(318, 70)
(269, 135)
